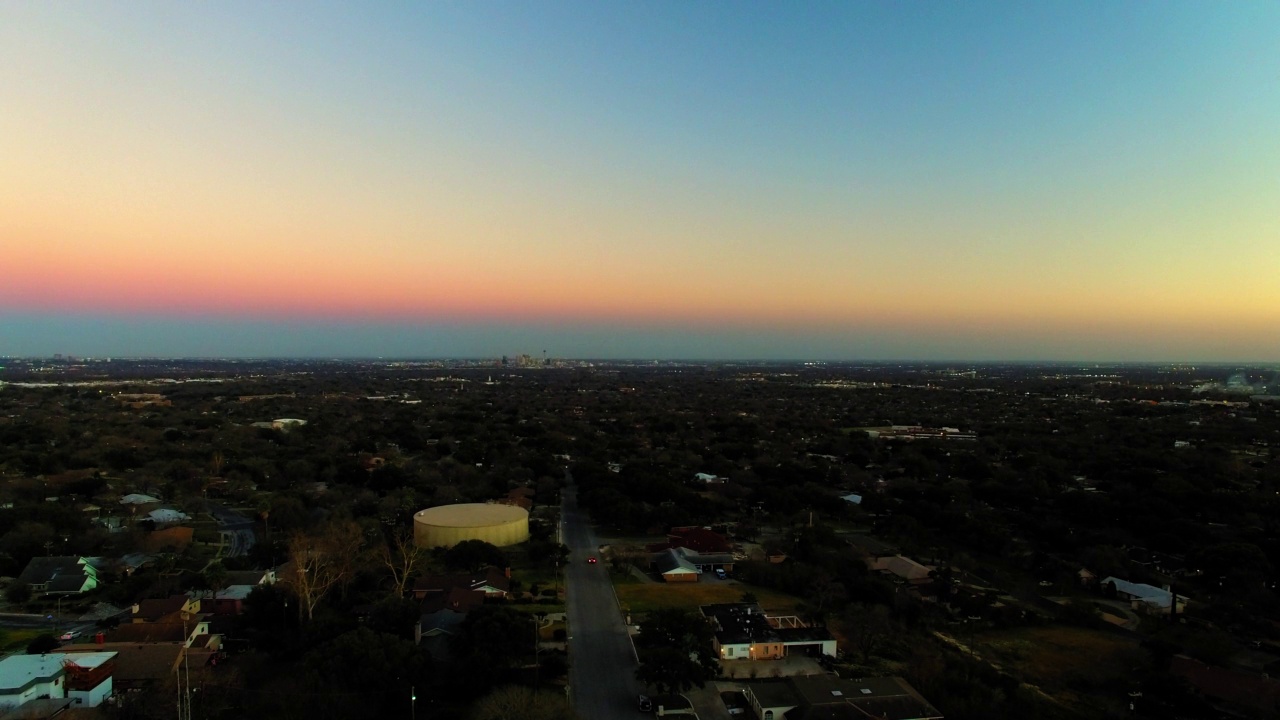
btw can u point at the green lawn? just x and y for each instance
(646, 597)
(17, 640)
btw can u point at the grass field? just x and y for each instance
(1082, 669)
(645, 597)
(17, 640)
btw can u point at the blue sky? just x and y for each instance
(838, 180)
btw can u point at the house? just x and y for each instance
(445, 608)
(173, 620)
(127, 564)
(59, 575)
(174, 608)
(228, 600)
(745, 632)
(826, 697)
(668, 558)
(436, 628)
(174, 633)
(166, 516)
(901, 566)
(250, 577)
(138, 499)
(675, 567)
(1144, 597)
(83, 678)
(491, 583)
(137, 666)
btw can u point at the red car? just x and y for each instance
(591, 560)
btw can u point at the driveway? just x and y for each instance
(1131, 621)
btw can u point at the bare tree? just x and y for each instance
(323, 562)
(868, 628)
(519, 703)
(403, 558)
(622, 557)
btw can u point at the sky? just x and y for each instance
(684, 180)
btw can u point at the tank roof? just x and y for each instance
(470, 515)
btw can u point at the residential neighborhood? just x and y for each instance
(713, 544)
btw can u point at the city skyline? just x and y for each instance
(988, 181)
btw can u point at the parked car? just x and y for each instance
(720, 573)
(646, 705)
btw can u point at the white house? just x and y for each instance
(83, 678)
(1145, 597)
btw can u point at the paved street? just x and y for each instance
(237, 528)
(602, 661)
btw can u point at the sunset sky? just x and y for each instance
(845, 180)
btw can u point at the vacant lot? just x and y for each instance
(1083, 669)
(643, 597)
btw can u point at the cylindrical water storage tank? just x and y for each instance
(448, 525)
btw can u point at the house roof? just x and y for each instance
(249, 577)
(138, 499)
(491, 577)
(153, 609)
(441, 621)
(167, 515)
(699, 540)
(136, 662)
(827, 697)
(672, 562)
(903, 567)
(774, 693)
(456, 599)
(740, 624)
(64, 573)
(1146, 593)
(17, 672)
(151, 632)
(46, 707)
(235, 592)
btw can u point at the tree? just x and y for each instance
(868, 628)
(213, 576)
(403, 558)
(42, 644)
(622, 557)
(364, 673)
(323, 562)
(473, 555)
(677, 651)
(513, 702)
(498, 634)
